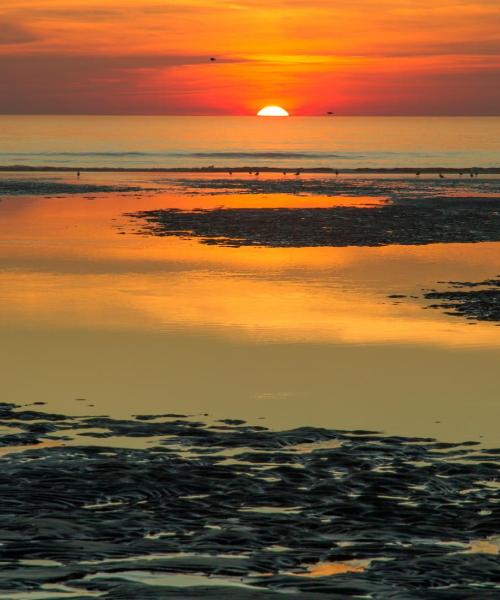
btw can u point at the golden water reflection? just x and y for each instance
(66, 266)
(141, 324)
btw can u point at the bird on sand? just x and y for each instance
(212, 59)
(297, 173)
(441, 176)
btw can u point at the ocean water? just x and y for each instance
(306, 142)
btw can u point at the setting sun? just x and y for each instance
(272, 111)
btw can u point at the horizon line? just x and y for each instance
(316, 115)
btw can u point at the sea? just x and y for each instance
(131, 142)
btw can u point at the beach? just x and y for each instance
(249, 300)
(229, 508)
(137, 270)
(250, 386)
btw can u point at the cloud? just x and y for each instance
(40, 62)
(58, 83)
(153, 55)
(487, 47)
(12, 33)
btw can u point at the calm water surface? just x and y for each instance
(135, 324)
(336, 142)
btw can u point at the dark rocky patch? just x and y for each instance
(412, 223)
(389, 187)
(35, 187)
(464, 301)
(112, 517)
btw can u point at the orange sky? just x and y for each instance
(347, 56)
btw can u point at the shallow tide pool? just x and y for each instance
(99, 319)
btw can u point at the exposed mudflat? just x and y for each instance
(394, 188)
(404, 211)
(411, 223)
(465, 300)
(38, 187)
(231, 510)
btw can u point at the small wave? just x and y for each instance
(266, 155)
(236, 155)
(114, 154)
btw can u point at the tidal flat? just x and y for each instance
(395, 211)
(48, 187)
(227, 509)
(464, 299)
(288, 410)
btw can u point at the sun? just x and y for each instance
(272, 111)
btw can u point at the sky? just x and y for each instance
(351, 57)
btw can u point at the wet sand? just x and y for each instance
(411, 213)
(34, 187)
(473, 304)
(227, 509)
(438, 222)
(91, 309)
(256, 448)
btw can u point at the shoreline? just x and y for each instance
(260, 169)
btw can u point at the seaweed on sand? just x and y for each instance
(464, 300)
(37, 187)
(408, 223)
(231, 510)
